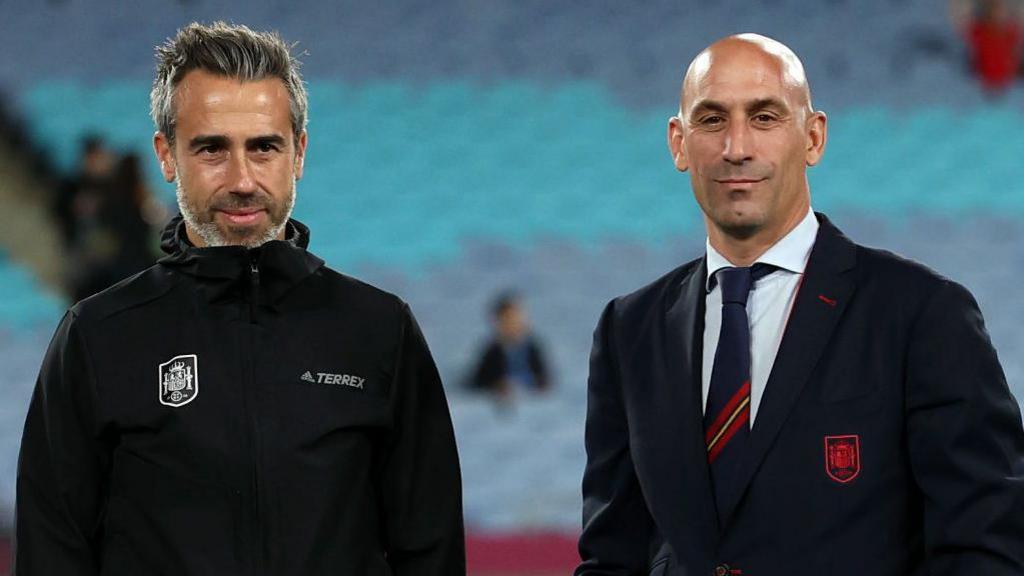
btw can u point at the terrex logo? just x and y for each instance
(336, 379)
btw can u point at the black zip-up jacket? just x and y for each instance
(239, 411)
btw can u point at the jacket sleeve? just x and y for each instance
(965, 442)
(422, 486)
(490, 369)
(62, 466)
(539, 365)
(616, 523)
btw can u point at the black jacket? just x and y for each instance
(235, 411)
(492, 367)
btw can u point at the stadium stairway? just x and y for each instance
(27, 233)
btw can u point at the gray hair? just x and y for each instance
(230, 50)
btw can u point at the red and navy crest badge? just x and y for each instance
(179, 380)
(842, 457)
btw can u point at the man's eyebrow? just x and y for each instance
(708, 106)
(752, 106)
(765, 103)
(221, 141)
(204, 140)
(276, 139)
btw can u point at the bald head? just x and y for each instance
(746, 133)
(741, 55)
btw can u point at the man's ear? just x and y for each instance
(817, 136)
(165, 156)
(300, 154)
(675, 144)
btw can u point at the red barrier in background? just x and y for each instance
(530, 554)
(522, 554)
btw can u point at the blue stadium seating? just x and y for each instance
(26, 304)
(889, 52)
(522, 466)
(423, 167)
(522, 146)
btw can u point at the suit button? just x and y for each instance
(722, 570)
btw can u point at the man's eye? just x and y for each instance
(712, 120)
(764, 118)
(266, 147)
(209, 150)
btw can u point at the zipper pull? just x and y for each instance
(254, 289)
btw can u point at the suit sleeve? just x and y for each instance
(422, 486)
(616, 522)
(965, 442)
(62, 466)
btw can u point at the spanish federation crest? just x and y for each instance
(179, 380)
(842, 457)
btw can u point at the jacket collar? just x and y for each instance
(225, 272)
(789, 253)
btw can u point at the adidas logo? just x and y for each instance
(337, 379)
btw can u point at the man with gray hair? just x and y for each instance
(238, 408)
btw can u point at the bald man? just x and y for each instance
(792, 402)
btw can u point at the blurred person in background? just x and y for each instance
(992, 30)
(115, 220)
(95, 168)
(92, 244)
(792, 402)
(134, 216)
(513, 361)
(238, 408)
(78, 205)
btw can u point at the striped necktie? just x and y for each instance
(727, 415)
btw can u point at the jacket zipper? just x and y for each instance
(254, 289)
(254, 440)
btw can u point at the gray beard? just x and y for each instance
(213, 236)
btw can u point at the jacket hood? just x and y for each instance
(225, 272)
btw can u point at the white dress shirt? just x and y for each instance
(768, 306)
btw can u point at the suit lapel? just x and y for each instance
(820, 301)
(682, 414)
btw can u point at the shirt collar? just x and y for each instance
(790, 253)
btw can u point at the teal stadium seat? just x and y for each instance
(25, 304)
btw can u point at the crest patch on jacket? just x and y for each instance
(179, 380)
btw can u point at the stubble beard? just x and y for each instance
(202, 222)
(719, 207)
(739, 228)
(739, 224)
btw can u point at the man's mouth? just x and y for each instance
(738, 184)
(243, 216)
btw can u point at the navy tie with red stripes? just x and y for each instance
(727, 414)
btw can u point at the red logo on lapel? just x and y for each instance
(842, 457)
(827, 300)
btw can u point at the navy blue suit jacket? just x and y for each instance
(886, 442)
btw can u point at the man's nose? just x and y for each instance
(737, 148)
(241, 178)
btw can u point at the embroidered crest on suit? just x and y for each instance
(842, 457)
